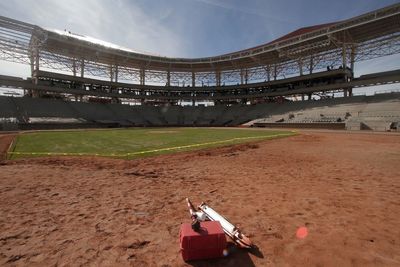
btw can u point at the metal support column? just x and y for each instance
(111, 73)
(311, 64)
(74, 67)
(33, 54)
(142, 82)
(168, 78)
(37, 60)
(352, 57)
(344, 64)
(142, 76)
(344, 56)
(352, 60)
(35, 65)
(82, 68)
(193, 85)
(32, 61)
(300, 62)
(217, 78)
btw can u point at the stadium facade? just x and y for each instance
(312, 61)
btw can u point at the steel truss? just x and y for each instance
(27, 44)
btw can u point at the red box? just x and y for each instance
(208, 243)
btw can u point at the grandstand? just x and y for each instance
(379, 113)
(288, 82)
(376, 112)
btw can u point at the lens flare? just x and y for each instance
(225, 252)
(302, 232)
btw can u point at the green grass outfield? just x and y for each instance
(132, 143)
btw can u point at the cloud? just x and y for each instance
(244, 9)
(121, 22)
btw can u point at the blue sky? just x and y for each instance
(186, 28)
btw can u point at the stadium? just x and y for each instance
(104, 144)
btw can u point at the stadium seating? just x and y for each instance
(128, 114)
(7, 108)
(191, 115)
(44, 107)
(377, 112)
(359, 113)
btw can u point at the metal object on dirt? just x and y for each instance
(207, 213)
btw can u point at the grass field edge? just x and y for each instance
(11, 154)
(11, 148)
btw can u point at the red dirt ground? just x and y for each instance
(316, 199)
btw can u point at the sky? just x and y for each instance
(187, 28)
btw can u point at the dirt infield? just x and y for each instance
(344, 188)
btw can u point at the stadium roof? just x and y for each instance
(301, 31)
(359, 29)
(367, 36)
